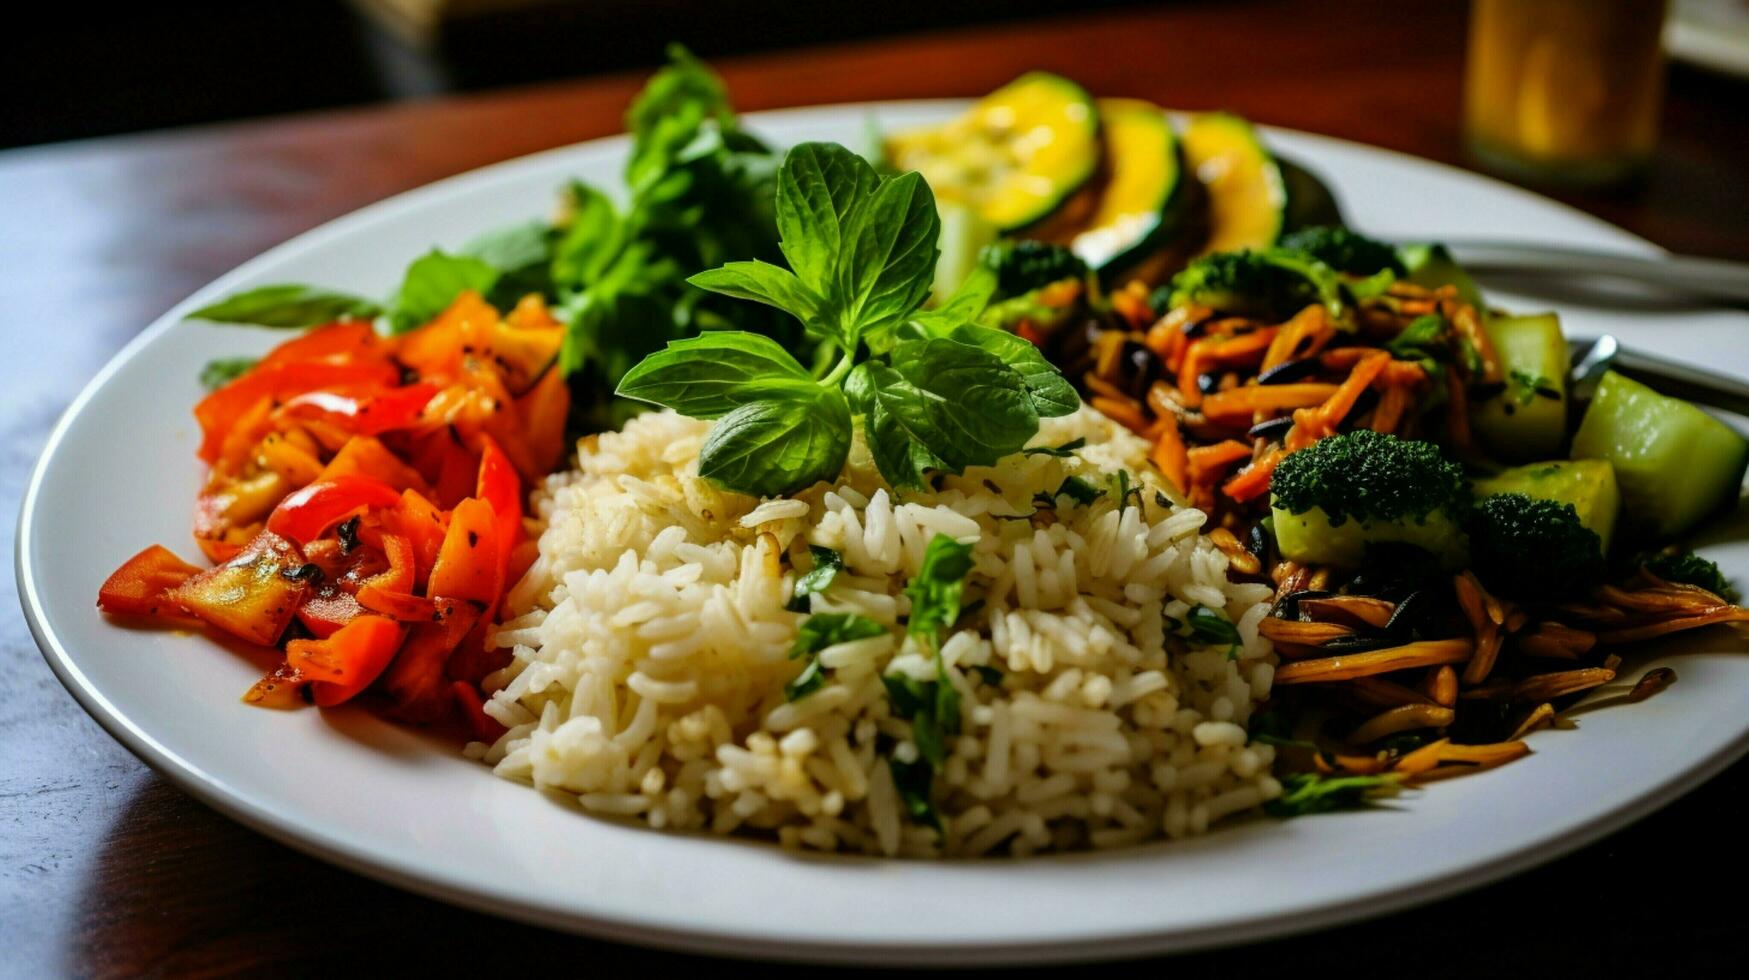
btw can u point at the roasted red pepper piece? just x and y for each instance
(304, 514)
(137, 588)
(336, 342)
(346, 663)
(467, 565)
(416, 680)
(219, 411)
(371, 413)
(500, 486)
(423, 525)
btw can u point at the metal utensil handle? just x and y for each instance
(1717, 278)
(1680, 380)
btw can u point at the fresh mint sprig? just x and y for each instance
(933, 390)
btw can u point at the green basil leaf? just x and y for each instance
(1052, 394)
(711, 375)
(818, 187)
(1064, 451)
(898, 450)
(615, 330)
(817, 633)
(961, 308)
(1212, 628)
(591, 240)
(1078, 490)
(287, 305)
(962, 402)
(886, 261)
(915, 781)
(772, 447)
(818, 579)
(762, 283)
(224, 370)
(523, 256)
(433, 282)
(938, 586)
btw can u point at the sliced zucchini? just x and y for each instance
(1141, 200)
(1675, 463)
(1015, 156)
(1310, 202)
(1247, 198)
(1528, 419)
(1587, 484)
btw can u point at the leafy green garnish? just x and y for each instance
(1304, 793)
(1527, 387)
(861, 250)
(826, 565)
(915, 782)
(1211, 628)
(288, 305)
(817, 633)
(1079, 490)
(1064, 451)
(224, 370)
(932, 707)
(433, 282)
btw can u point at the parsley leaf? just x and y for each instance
(1078, 490)
(915, 782)
(826, 566)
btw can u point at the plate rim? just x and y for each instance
(430, 881)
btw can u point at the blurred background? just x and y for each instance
(146, 66)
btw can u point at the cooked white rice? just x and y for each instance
(650, 643)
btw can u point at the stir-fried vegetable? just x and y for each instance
(365, 506)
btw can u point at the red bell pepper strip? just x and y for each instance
(416, 681)
(422, 524)
(500, 486)
(304, 514)
(346, 663)
(250, 596)
(367, 456)
(482, 726)
(219, 411)
(398, 577)
(467, 565)
(403, 606)
(366, 414)
(335, 342)
(328, 611)
(137, 588)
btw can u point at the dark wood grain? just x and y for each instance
(106, 870)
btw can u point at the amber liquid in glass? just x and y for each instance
(1564, 91)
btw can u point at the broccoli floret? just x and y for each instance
(1688, 568)
(1333, 499)
(1344, 250)
(1273, 283)
(1529, 548)
(1023, 266)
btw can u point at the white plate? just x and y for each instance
(120, 472)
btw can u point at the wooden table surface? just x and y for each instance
(105, 869)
